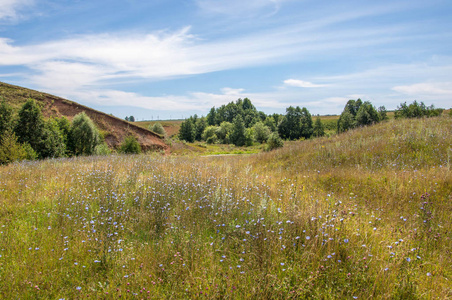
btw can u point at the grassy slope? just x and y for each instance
(341, 217)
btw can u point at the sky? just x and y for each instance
(169, 59)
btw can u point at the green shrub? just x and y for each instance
(11, 150)
(261, 132)
(158, 128)
(84, 136)
(274, 142)
(102, 149)
(130, 145)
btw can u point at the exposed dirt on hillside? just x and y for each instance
(113, 129)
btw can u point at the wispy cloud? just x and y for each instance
(9, 8)
(239, 8)
(426, 88)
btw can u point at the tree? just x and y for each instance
(52, 144)
(211, 117)
(271, 123)
(157, 128)
(319, 128)
(382, 113)
(84, 136)
(187, 131)
(305, 123)
(261, 132)
(346, 121)
(131, 119)
(366, 115)
(130, 145)
(224, 131)
(209, 134)
(290, 126)
(416, 110)
(30, 126)
(200, 125)
(238, 132)
(126, 118)
(6, 118)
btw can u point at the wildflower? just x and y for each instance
(308, 237)
(346, 241)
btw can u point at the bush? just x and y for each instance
(102, 149)
(416, 110)
(84, 136)
(158, 128)
(261, 132)
(130, 145)
(11, 150)
(274, 142)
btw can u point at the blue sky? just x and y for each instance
(170, 59)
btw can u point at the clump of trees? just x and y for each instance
(29, 136)
(130, 119)
(241, 124)
(417, 110)
(357, 113)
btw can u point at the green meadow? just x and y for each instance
(358, 215)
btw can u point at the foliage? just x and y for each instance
(227, 113)
(187, 131)
(130, 119)
(366, 115)
(102, 149)
(358, 113)
(274, 142)
(318, 129)
(223, 132)
(130, 145)
(237, 136)
(52, 143)
(416, 110)
(6, 117)
(297, 123)
(83, 136)
(261, 132)
(30, 126)
(382, 113)
(209, 134)
(11, 150)
(157, 128)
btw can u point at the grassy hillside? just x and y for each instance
(113, 129)
(360, 215)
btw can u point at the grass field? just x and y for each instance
(358, 215)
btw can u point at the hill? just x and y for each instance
(114, 129)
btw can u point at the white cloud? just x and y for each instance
(433, 89)
(9, 8)
(301, 83)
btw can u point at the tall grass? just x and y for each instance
(363, 214)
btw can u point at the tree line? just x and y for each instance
(241, 124)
